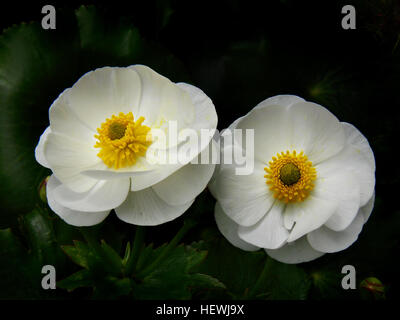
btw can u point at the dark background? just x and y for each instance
(241, 52)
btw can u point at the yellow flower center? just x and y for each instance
(290, 176)
(122, 140)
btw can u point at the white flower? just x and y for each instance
(312, 188)
(100, 132)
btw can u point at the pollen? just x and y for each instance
(290, 176)
(122, 140)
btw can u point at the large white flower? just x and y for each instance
(312, 187)
(98, 140)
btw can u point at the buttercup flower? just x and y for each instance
(312, 187)
(101, 131)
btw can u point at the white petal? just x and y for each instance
(205, 113)
(202, 124)
(244, 198)
(39, 150)
(67, 158)
(185, 184)
(271, 135)
(217, 167)
(152, 177)
(104, 195)
(358, 141)
(284, 100)
(367, 209)
(316, 131)
(146, 208)
(229, 229)
(295, 252)
(331, 192)
(269, 232)
(310, 215)
(327, 240)
(63, 120)
(104, 92)
(226, 145)
(353, 161)
(159, 172)
(102, 172)
(348, 205)
(162, 100)
(300, 126)
(73, 217)
(289, 216)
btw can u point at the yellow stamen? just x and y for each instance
(122, 140)
(290, 176)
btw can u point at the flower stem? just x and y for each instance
(135, 252)
(187, 225)
(252, 293)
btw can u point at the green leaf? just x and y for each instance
(119, 42)
(112, 288)
(112, 257)
(146, 256)
(200, 280)
(40, 234)
(172, 279)
(29, 59)
(78, 279)
(237, 269)
(326, 284)
(285, 281)
(127, 254)
(20, 272)
(79, 253)
(251, 275)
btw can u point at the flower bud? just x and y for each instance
(372, 288)
(42, 189)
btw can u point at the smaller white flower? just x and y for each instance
(312, 188)
(100, 132)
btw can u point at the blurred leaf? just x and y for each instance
(205, 287)
(326, 284)
(117, 41)
(165, 11)
(39, 232)
(20, 272)
(111, 288)
(238, 270)
(204, 281)
(32, 66)
(251, 274)
(286, 281)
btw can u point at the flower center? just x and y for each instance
(122, 140)
(116, 130)
(290, 176)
